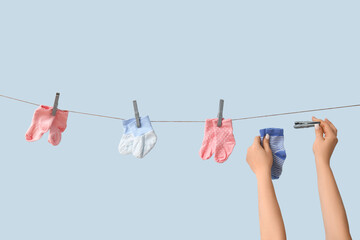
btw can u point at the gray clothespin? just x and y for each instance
(55, 104)
(220, 114)
(305, 124)
(136, 114)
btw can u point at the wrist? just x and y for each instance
(263, 175)
(322, 163)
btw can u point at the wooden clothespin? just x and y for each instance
(220, 114)
(55, 104)
(136, 114)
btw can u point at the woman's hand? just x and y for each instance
(324, 145)
(333, 210)
(260, 158)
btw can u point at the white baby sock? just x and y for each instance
(138, 141)
(143, 144)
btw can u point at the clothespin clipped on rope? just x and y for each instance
(55, 104)
(220, 114)
(305, 124)
(136, 114)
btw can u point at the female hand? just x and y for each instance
(260, 158)
(324, 145)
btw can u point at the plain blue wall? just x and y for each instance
(177, 59)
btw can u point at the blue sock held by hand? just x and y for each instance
(277, 148)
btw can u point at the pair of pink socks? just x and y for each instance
(218, 140)
(43, 120)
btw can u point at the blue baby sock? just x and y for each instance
(277, 148)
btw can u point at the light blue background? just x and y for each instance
(177, 59)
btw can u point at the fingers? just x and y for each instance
(325, 127)
(316, 119)
(266, 143)
(331, 126)
(257, 141)
(319, 133)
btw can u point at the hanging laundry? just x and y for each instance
(277, 147)
(43, 121)
(138, 141)
(218, 140)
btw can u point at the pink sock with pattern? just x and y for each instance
(40, 123)
(208, 143)
(58, 126)
(218, 140)
(224, 140)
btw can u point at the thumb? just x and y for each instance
(257, 141)
(266, 143)
(319, 132)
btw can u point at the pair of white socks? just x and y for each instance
(138, 141)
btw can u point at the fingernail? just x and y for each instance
(267, 136)
(316, 126)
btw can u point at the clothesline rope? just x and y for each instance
(233, 119)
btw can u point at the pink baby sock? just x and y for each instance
(224, 140)
(58, 126)
(40, 124)
(208, 144)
